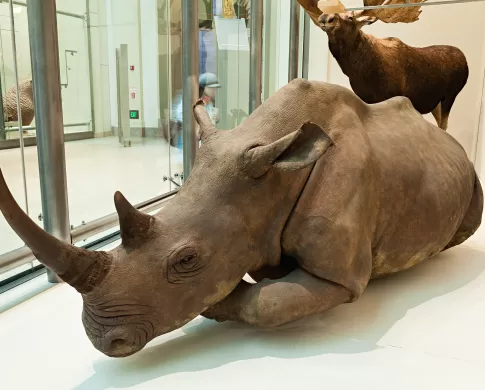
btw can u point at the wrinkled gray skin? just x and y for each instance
(313, 195)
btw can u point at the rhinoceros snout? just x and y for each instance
(117, 346)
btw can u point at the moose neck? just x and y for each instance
(350, 52)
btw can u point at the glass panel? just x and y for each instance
(11, 161)
(231, 30)
(170, 84)
(134, 159)
(145, 159)
(223, 67)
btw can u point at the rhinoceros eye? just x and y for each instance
(184, 265)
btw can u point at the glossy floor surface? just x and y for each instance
(422, 329)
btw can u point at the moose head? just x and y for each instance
(348, 23)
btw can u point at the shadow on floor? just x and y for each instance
(348, 329)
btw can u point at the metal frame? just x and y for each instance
(9, 129)
(123, 95)
(256, 55)
(306, 45)
(90, 64)
(190, 80)
(19, 111)
(44, 48)
(294, 54)
(3, 134)
(32, 141)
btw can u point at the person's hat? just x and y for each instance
(209, 80)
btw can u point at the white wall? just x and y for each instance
(459, 25)
(149, 55)
(122, 20)
(100, 68)
(135, 23)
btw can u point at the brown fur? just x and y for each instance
(379, 69)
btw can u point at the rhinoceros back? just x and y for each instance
(429, 195)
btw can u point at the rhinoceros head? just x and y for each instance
(172, 266)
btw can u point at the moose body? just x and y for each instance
(312, 201)
(379, 69)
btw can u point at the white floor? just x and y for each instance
(422, 329)
(96, 169)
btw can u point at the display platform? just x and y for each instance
(419, 329)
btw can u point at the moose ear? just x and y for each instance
(366, 20)
(294, 151)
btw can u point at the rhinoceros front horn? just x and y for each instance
(81, 268)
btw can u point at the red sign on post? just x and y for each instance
(132, 67)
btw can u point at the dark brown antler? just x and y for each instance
(393, 15)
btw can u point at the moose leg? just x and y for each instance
(444, 121)
(272, 303)
(437, 114)
(446, 105)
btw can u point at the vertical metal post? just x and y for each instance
(90, 63)
(123, 91)
(19, 110)
(256, 55)
(3, 134)
(294, 40)
(190, 80)
(306, 46)
(44, 51)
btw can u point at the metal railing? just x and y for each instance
(11, 129)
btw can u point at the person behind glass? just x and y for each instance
(208, 83)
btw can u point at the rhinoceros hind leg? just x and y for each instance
(272, 303)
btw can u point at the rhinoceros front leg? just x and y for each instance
(272, 303)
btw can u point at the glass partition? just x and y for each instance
(121, 85)
(223, 69)
(16, 162)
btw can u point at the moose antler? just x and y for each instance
(392, 15)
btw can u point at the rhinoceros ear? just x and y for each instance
(294, 151)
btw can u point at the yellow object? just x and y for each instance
(228, 9)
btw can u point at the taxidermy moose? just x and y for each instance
(379, 69)
(312, 201)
